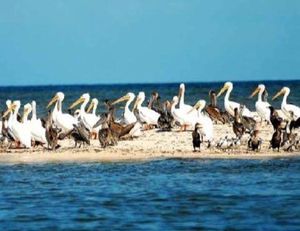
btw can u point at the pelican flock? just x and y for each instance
(84, 124)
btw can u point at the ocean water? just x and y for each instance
(169, 194)
(159, 195)
(194, 92)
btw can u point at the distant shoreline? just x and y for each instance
(147, 83)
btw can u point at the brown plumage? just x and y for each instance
(274, 118)
(238, 128)
(52, 132)
(197, 137)
(212, 110)
(254, 143)
(276, 139)
(111, 131)
(80, 134)
(248, 122)
(294, 123)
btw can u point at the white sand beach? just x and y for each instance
(150, 146)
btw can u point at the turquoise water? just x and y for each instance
(159, 195)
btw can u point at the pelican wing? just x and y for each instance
(149, 116)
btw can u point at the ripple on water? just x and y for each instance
(167, 194)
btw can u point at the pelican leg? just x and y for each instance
(185, 127)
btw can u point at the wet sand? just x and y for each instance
(151, 145)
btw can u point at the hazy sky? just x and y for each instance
(107, 41)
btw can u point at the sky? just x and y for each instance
(147, 41)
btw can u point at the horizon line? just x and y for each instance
(147, 83)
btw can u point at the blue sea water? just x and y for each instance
(169, 194)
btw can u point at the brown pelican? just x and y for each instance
(80, 134)
(212, 110)
(238, 127)
(275, 119)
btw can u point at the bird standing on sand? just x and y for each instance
(238, 127)
(254, 143)
(276, 139)
(18, 130)
(197, 136)
(205, 121)
(81, 134)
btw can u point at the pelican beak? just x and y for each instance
(90, 107)
(26, 111)
(222, 91)
(123, 98)
(254, 92)
(179, 93)
(281, 92)
(9, 109)
(53, 100)
(136, 104)
(79, 101)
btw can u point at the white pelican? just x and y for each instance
(93, 106)
(26, 111)
(10, 118)
(184, 118)
(19, 131)
(184, 107)
(231, 105)
(285, 107)
(146, 115)
(38, 132)
(62, 120)
(88, 119)
(204, 120)
(262, 107)
(129, 116)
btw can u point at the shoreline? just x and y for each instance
(151, 146)
(105, 156)
(52, 158)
